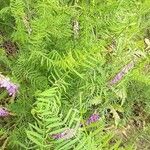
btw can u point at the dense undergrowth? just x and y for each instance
(83, 74)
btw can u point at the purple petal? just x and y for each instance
(5, 83)
(12, 89)
(122, 73)
(4, 112)
(93, 118)
(8, 85)
(67, 134)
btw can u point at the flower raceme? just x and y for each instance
(8, 85)
(67, 134)
(122, 73)
(93, 118)
(4, 112)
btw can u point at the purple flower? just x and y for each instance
(4, 112)
(67, 134)
(122, 73)
(12, 89)
(58, 135)
(93, 118)
(4, 82)
(8, 85)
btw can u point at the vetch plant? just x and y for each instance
(58, 51)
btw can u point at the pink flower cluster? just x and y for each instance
(4, 112)
(8, 85)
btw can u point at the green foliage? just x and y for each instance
(49, 121)
(67, 52)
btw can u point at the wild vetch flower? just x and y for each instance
(122, 73)
(8, 85)
(67, 134)
(93, 118)
(12, 89)
(58, 135)
(4, 112)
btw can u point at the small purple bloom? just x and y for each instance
(8, 85)
(122, 73)
(4, 112)
(58, 135)
(93, 118)
(4, 82)
(67, 134)
(12, 89)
